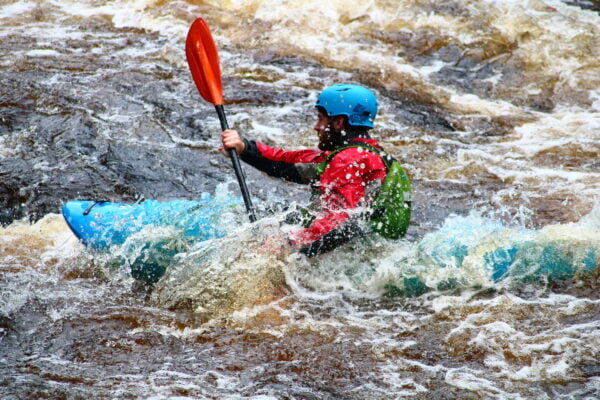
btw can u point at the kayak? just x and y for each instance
(553, 253)
(147, 236)
(101, 225)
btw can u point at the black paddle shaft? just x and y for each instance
(237, 167)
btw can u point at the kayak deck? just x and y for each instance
(101, 224)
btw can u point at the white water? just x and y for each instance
(245, 317)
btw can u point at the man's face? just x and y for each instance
(328, 130)
(323, 131)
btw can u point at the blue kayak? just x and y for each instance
(101, 225)
(151, 233)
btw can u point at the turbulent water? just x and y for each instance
(492, 106)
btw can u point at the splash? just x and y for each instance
(145, 237)
(465, 252)
(488, 247)
(219, 277)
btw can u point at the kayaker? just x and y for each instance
(347, 172)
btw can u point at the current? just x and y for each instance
(492, 107)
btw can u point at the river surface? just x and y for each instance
(493, 108)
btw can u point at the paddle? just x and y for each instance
(203, 60)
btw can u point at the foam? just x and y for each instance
(465, 378)
(16, 9)
(42, 53)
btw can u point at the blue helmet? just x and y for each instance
(355, 102)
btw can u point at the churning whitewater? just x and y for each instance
(492, 107)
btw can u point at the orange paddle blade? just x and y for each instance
(203, 59)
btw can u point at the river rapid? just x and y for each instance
(493, 108)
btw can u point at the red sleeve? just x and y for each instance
(342, 187)
(293, 156)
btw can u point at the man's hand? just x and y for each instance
(232, 140)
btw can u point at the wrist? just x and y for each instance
(244, 146)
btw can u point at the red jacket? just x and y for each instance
(341, 186)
